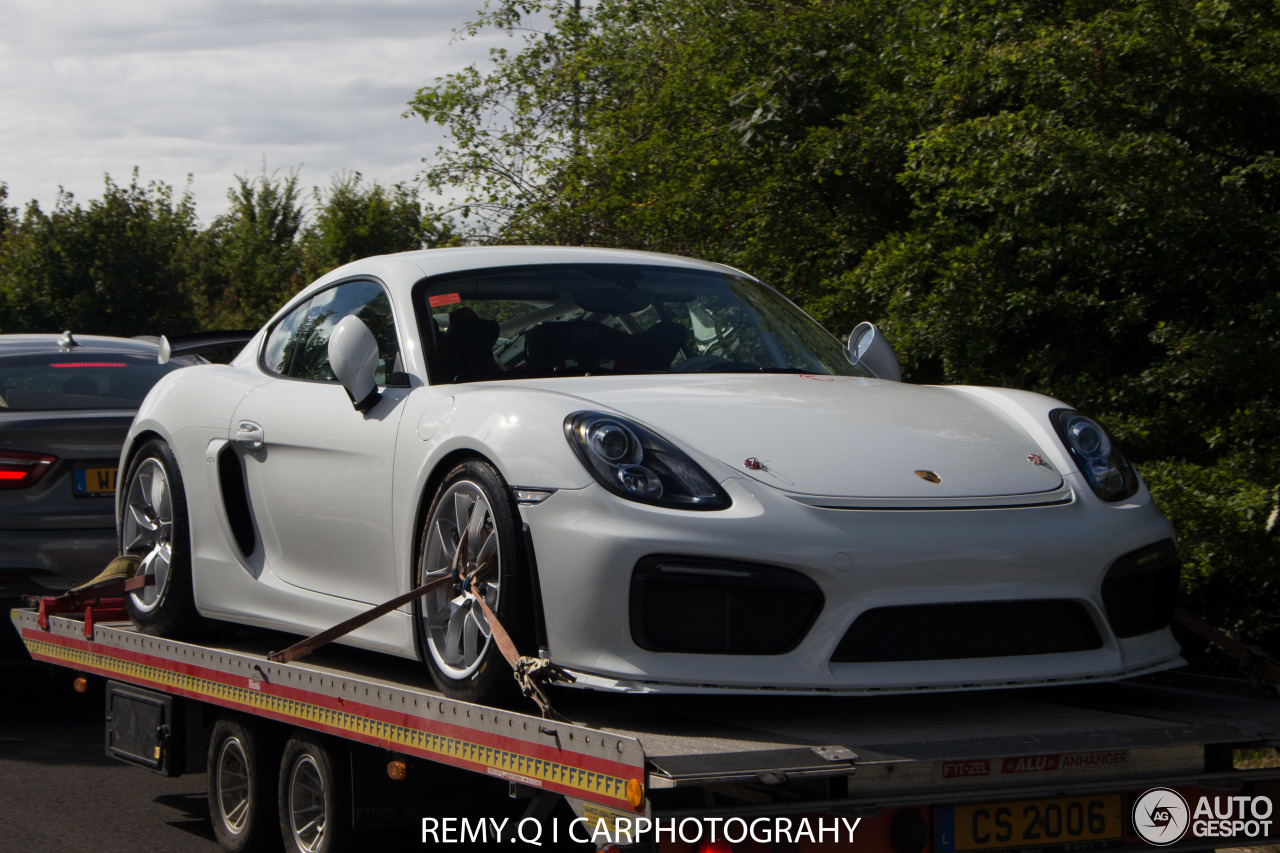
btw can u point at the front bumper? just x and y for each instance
(588, 543)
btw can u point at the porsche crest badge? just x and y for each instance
(929, 476)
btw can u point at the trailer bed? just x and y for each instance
(629, 755)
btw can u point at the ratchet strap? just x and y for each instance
(528, 671)
(302, 648)
(101, 599)
(1251, 659)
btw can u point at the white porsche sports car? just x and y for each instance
(664, 476)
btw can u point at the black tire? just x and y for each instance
(466, 664)
(154, 526)
(242, 786)
(314, 796)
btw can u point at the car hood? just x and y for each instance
(834, 436)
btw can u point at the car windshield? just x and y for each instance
(78, 380)
(580, 319)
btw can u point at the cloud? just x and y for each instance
(215, 89)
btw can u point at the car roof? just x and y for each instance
(421, 263)
(34, 344)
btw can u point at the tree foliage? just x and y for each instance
(1071, 196)
(250, 259)
(137, 261)
(112, 267)
(357, 220)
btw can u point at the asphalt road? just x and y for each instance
(59, 792)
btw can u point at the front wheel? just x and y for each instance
(472, 509)
(154, 527)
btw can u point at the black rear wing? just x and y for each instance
(198, 342)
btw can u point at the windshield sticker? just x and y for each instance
(444, 299)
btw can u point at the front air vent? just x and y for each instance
(694, 605)
(982, 629)
(1140, 590)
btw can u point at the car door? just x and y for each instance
(319, 473)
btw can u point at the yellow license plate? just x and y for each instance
(94, 481)
(1028, 823)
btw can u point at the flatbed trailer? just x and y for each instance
(1120, 766)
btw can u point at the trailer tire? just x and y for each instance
(314, 796)
(241, 788)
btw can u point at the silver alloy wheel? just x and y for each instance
(148, 529)
(306, 804)
(232, 785)
(458, 633)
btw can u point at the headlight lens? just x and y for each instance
(635, 463)
(1105, 468)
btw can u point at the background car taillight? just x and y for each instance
(19, 470)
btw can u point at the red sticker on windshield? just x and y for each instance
(444, 299)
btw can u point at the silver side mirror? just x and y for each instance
(353, 356)
(869, 350)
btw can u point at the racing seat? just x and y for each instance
(467, 348)
(560, 344)
(652, 349)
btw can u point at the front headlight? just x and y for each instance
(1105, 468)
(635, 463)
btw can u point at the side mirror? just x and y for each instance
(869, 350)
(353, 356)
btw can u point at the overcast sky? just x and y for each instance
(216, 88)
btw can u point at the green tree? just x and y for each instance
(355, 220)
(8, 215)
(114, 267)
(250, 260)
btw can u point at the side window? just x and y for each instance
(303, 335)
(277, 353)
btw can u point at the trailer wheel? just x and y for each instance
(240, 789)
(313, 796)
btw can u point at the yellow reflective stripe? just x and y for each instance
(411, 740)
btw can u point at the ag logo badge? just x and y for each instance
(1161, 816)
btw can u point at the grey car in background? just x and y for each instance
(66, 402)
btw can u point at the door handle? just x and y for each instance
(249, 435)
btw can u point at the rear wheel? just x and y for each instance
(312, 794)
(154, 528)
(472, 509)
(241, 789)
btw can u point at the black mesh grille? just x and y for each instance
(967, 630)
(708, 607)
(1140, 591)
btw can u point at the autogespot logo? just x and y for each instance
(1161, 816)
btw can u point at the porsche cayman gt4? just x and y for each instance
(662, 476)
